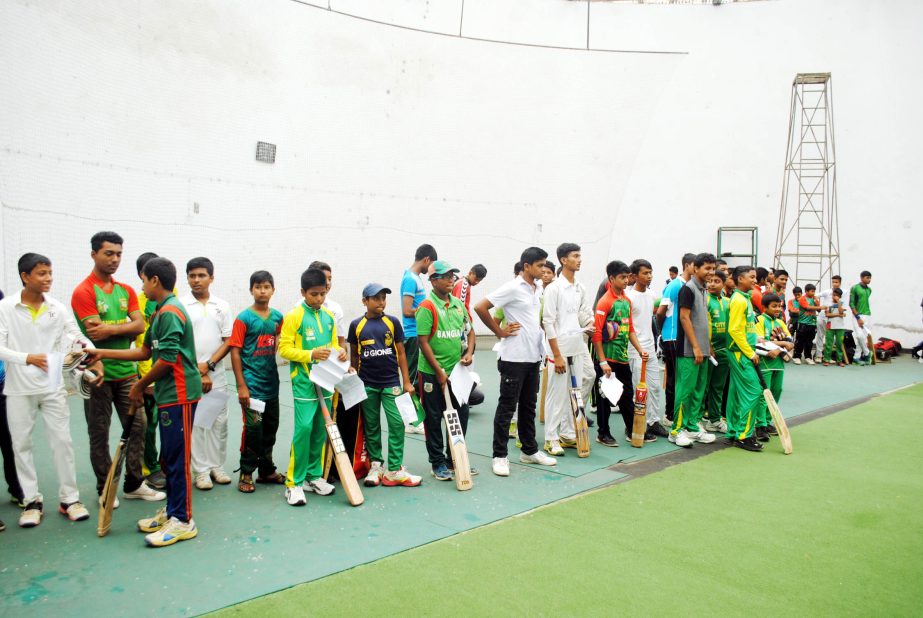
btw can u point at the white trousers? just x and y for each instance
(210, 446)
(653, 376)
(820, 339)
(22, 412)
(559, 418)
(861, 335)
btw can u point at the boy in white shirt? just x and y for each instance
(642, 316)
(566, 314)
(32, 326)
(212, 324)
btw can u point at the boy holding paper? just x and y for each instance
(253, 356)
(377, 354)
(309, 336)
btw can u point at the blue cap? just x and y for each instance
(374, 289)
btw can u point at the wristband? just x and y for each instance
(210, 365)
(602, 363)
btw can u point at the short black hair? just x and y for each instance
(425, 251)
(703, 259)
(550, 266)
(740, 271)
(839, 277)
(688, 258)
(142, 260)
(838, 292)
(566, 248)
(864, 273)
(479, 270)
(201, 262)
(96, 243)
(810, 287)
(674, 269)
(532, 255)
(770, 298)
(313, 278)
(797, 290)
(721, 274)
(638, 264)
(761, 273)
(780, 272)
(616, 267)
(262, 276)
(721, 262)
(28, 262)
(517, 268)
(321, 266)
(163, 269)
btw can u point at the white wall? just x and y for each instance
(124, 114)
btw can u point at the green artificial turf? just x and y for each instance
(833, 529)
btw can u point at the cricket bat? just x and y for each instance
(576, 405)
(541, 403)
(457, 444)
(340, 458)
(778, 420)
(111, 488)
(639, 422)
(871, 346)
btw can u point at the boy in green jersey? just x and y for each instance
(771, 327)
(170, 344)
(809, 306)
(718, 373)
(744, 393)
(253, 343)
(309, 336)
(833, 338)
(862, 317)
(155, 476)
(440, 321)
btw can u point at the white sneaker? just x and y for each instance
(373, 478)
(220, 476)
(400, 477)
(155, 523)
(538, 457)
(501, 466)
(553, 447)
(810, 361)
(319, 486)
(145, 493)
(295, 496)
(32, 515)
(172, 532)
(203, 481)
(703, 437)
(797, 361)
(418, 429)
(115, 503)
(681, 439)
(720, 427)
(75, 511)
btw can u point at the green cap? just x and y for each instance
(441, 267)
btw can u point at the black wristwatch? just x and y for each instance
(211, 365)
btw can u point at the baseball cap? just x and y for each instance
(441, 267)
(374, 289)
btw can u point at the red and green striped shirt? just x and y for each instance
(615, 312)
(171, 340)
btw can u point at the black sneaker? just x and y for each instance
(771, 430)
(761, 434)
(749, 444)
(2, 526)
(649, 436)
(658, 430)
(606, 440)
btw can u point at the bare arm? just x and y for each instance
(243, 392)
(402, 365)
(97, 331)
(483, 310)
(407, 309)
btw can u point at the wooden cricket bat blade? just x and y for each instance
(785, 438)
(639, 421)
(457, 445)
(583, 436)
(344, 467)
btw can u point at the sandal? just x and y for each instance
(273, 479)
(245, 484)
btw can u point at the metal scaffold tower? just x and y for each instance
(808, 237)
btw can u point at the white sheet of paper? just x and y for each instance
(475, 377)
(55, 369)
(406, 408)
(328, 373)
(210, 406)
(257, 405)
(352, 390)
(611, 388)
(462, 383)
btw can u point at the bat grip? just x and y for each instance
(446, 390)
(322, 400)
(759, 374)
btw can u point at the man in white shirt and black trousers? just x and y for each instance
(521, 351)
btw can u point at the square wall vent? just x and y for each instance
(265, 152)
